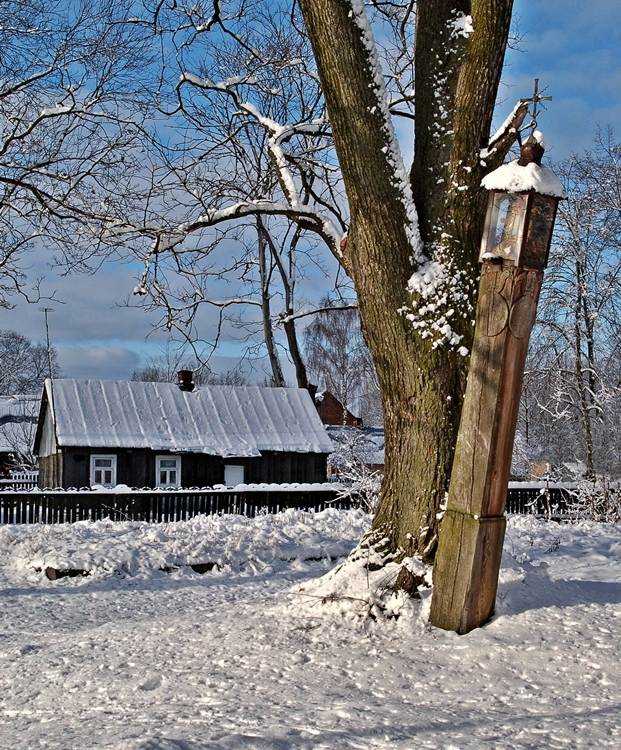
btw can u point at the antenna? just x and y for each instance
(48, 310)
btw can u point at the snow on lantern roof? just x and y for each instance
(227, 421)
(525, 175)
(512, 178)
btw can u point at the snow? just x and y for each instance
(56, 111)
(512, 178)
(17, 407)
(241, 658)
(243, 487)
(391, 149)
(461, 26)
(500, 133)
(250, 208)
(216, 420)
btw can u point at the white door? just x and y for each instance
(233, 475)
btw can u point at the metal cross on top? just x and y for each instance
(535, 99)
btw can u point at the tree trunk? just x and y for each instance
(287, 277)
(296, 355)
(421, 380)
(585, 392)
(268, 332)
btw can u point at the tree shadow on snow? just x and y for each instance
(496, 726)
(538, 591)
(157, 581)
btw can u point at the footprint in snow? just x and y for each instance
(151, 683)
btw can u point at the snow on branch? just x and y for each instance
(500, 142)
(306, 313)
(278, 134)
(462, 26)
(305, 216)
(392, 150)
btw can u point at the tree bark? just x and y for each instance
(296, 355)
(421, 381)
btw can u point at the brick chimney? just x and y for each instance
(185, 380)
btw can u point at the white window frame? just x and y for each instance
(227, 467)
(177, 469)
(107, 457)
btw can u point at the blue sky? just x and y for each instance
(572, 46)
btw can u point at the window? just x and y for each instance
(103, 470)
(233, 475)
(168, 471)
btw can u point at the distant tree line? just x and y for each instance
(23, 364)
(163, 368)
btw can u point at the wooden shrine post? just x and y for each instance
(514, 253)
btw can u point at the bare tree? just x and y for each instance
(337, 357)
(255, 186)
(23, 364)
(573, 378)
(18, 427)
(163, 368)
(411, 245)
(252, 127)
(68, 141)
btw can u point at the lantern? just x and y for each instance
(521, 209)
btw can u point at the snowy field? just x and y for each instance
(240, 657)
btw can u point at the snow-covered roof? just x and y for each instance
(512, 178)
(216, 420)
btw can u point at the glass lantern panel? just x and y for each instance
(506, 226)
(539, 232)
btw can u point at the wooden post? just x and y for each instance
(470, 546)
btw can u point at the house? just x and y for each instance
(100, 432)
(331, 411)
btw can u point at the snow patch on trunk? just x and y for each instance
(392, 151)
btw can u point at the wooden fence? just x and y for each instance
(551, 500)
(177, 505)
(156, 506)
(20, 480)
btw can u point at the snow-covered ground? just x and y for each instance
(241, 657)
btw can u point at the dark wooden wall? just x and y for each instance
(136, 468)
(51, 471)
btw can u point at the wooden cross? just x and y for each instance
(535, 99)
